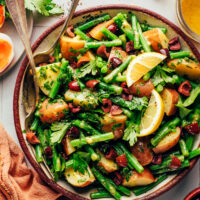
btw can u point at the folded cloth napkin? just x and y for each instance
(17, 181)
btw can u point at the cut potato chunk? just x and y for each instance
(142, 151)
(67, 45)
(109, 121)
(156, 38)
(106, 165)
(185, 67)
(139, 179)
(69, 149)
(96, 31)
(170, 99)
(86, 99)
(168, 141)
(78, 179)
(46, 76)
(50, 112)
(85, 58)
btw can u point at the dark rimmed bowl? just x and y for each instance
(44, 41)
(193, 195)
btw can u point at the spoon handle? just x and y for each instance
(66, 23)
(17, 11)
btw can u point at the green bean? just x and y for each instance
(92, 139)
(56, 161)
(56, 53)
(128, 113)
(38, 153)
(118, 70)
(119, 79)
(34, 124)
(82, 35)
(93, 154)
(159, 88)
(93, 22)
(194, 153)
(104, 69)
(57, 83)
(42, 138)
(37, 113)
(163, 29)
(112, 43)
(131, 159)
(136, 34)
(147, 76)
(69, 163)
(164, 130)
(183, 148)
(106, 184)
(83, 125)
(143, 40)
(109, 34)
(143, 189)
(190, 142)
(181, 54)
(123, 39)
(98, 195)
(113, 88)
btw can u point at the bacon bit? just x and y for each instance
(101, 51)
(70, 31)
(64, 156)
(174, 44)
(112, 28)
(165, 52)
(88, 35)
(115, 62)
(42, 64)
(115, 110)
(92, 83)
(48, 152)
(185, 88)
(130, 47)
(74, 109)
(73, 132)
(31, 137)
(107, 103)
(74, 86)
(125, 88)
(73, 65)
(117, 178)
(175, 163)
(122, 160)
(118, 133)
(157, 159)
(51, 59)
(127, 97)
(83, 60)
(193, 128)
(112, 154)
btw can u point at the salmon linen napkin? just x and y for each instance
(17, 181)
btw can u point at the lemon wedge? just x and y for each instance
(141, 65)
(153, 115)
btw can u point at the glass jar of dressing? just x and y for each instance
(188, 13)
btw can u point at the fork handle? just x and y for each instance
(17, 11)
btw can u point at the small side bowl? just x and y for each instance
(185, 28)
(193, 195)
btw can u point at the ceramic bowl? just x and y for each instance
(194, 195)
(44, 41)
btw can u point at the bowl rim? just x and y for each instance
(194, 193)
(19, 80)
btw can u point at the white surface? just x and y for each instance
(7, 82)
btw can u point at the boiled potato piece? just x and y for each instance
(52, 111)
(139, 179)
(69, 149)
(156, 38)
(170, 99)
(46, 76)
(168, 141)
(142, 151)
(106, 165)
(185, 67)
(109, 121)
(67, 44)
(78, 179)
(86, 99)
(96, 31)
(85, 58)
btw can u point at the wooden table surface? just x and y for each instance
(7, 82)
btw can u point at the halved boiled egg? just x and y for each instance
(6, 51)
